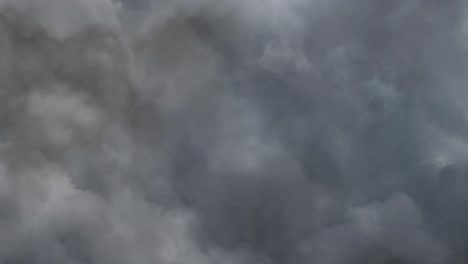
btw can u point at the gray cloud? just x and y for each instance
(255, 131)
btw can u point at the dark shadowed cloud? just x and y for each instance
(233, 132)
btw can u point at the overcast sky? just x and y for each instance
(233, 132)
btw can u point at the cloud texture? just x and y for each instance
(233, 132)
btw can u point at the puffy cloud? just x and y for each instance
(260, 131)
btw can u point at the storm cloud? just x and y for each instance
(233, 132)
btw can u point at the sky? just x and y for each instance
(233, 132)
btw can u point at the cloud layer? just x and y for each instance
(254, 131)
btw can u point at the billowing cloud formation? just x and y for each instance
(234, 132)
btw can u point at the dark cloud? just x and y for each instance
(255, 131)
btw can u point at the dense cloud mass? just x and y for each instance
(233, 132)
